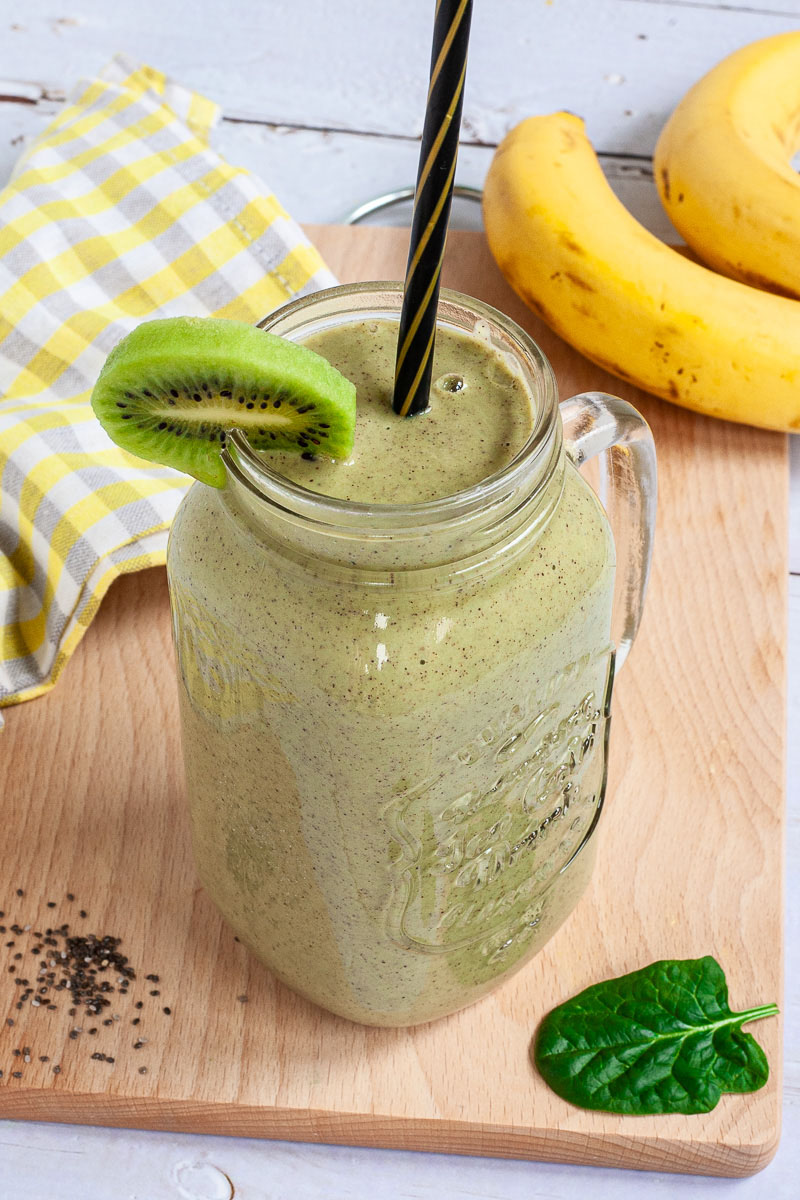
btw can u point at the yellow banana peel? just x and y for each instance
(723, 165)
(627, 301)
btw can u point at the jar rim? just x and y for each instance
(538, 456)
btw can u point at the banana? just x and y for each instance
(723, 169)
(630, 303)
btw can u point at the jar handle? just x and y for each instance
(596, 423)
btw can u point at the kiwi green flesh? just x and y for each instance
(171, 391)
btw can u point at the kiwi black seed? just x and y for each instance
(171, 390)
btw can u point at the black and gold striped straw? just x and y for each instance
(437, 168)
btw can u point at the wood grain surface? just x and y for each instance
(690, 858)
(337, 94)
(621, 63)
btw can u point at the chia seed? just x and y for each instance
(89, 967)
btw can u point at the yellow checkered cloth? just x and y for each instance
(117, 213)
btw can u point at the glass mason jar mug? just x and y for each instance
(395, 718)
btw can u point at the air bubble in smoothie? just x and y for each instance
(479, 417)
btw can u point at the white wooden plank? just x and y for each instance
(361, 66)
(779, 8)
(355, 168)
(19, 125)
(94, 1164)
(323, 176)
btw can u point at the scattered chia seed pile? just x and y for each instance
(83, 974)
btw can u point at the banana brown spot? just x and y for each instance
(571, 244)
(581, 283)
(769, 285)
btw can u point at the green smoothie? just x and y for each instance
(479, 417)
(393, 771)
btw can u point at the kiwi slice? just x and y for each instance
(172, 390)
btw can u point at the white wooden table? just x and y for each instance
(324, 100)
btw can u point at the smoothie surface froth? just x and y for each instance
(480, 416)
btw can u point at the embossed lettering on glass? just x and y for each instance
(396, 718)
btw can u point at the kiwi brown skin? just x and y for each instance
(172, 389)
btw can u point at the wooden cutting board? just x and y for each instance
(690, 859)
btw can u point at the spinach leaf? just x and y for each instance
(660, 1040)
